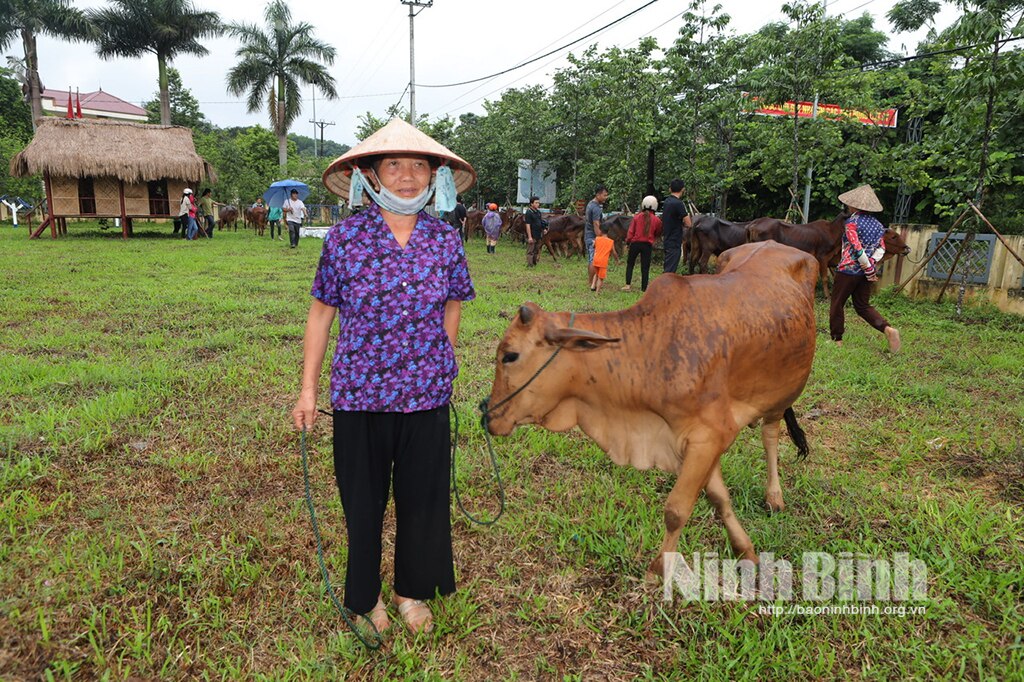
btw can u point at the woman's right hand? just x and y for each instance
(304, 413)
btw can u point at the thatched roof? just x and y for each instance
(133, 152)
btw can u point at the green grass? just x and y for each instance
(152, 523)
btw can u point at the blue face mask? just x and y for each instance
(386, 199)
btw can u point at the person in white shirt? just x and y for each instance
(294, 212)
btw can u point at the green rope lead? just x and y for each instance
(323, 565)
(494, 466)
(485, 416)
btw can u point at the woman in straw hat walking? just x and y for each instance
(862, 247)
(395, 277)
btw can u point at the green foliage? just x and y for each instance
(307, 146)
(636, 118)
(15, 133)
(245, 160)
(184, 106)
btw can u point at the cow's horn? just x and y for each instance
(525, 314)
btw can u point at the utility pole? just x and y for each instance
(422, 4)
(321, 125)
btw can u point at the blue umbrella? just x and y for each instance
(281, 190)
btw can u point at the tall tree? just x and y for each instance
(27, 19)
(184, 106)
(275, 64)
(166, 28)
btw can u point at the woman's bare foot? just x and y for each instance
(893, 335)
(416, 614)
(379, 615)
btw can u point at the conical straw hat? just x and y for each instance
(397, 137)
(863, 199)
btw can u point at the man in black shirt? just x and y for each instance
(673, 217)
(457, 217)
(535, 225)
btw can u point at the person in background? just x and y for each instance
(492, 227)
(592, 225)
(603, 247)
(862, 248)
(535, 226)
(206, 205)
(395, 277)
(643, 230)
(274, 218)
(184, 206)
(457, 218)
(674, 218)
(294, 212)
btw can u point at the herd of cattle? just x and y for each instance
(709, 236)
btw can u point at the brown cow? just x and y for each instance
(653, 397)
(711, 236)
(565, 232)
(227, 214)
(256, 216)
(615, 228)
(820, 238)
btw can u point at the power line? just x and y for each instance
(552, 86)
(547, 54)
(922, 55)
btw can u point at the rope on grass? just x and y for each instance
(346, 615)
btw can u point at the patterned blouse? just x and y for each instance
(863, 233)
(393, 354)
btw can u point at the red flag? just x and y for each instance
(71, 109)
(78, 104)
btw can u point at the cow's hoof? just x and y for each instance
(774, 503)
(656, 569)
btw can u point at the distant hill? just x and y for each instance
(305, 146)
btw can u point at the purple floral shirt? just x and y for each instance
(393, 354)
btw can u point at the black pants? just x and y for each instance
(277, 224)
(642, 249)
(209, 226)
(673, 251)
(293, 234)
(372, 451)
(859, 288)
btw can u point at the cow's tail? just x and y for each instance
(796, 433)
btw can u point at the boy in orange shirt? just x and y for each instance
(603, 247)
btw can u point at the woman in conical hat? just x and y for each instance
(395, 277)
(862, 248)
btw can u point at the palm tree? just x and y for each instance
(273, 64)
(166, 28)
(27, 19)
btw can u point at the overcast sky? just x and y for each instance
(456, 40)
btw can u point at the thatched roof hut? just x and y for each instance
(99, 168)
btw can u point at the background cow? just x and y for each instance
(711, 236)
(257, 217)
(227, 215)
(564, 234)
(653, 397)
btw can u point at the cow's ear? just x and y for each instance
(576, 339)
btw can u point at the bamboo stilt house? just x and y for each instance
(110, 169)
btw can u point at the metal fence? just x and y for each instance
(976, 260)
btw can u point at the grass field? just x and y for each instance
(152, 523)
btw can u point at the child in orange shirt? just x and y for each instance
(603, 247)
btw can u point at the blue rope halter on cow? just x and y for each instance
(485, 411)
